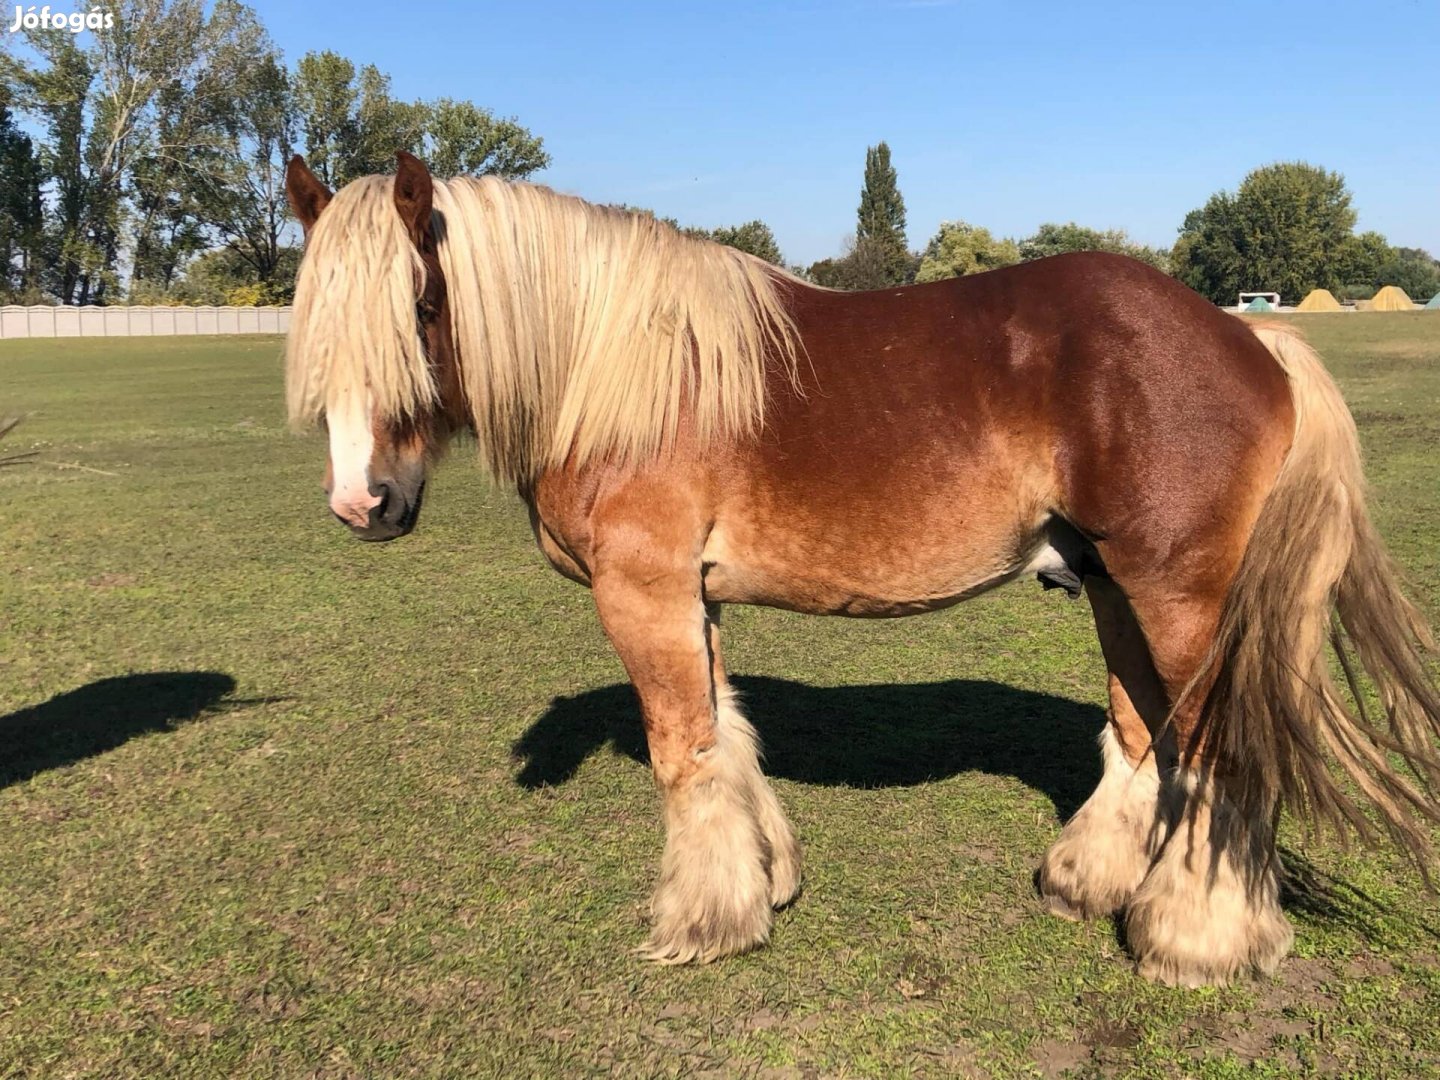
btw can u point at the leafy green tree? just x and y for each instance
(383, 125)
(1371, 262)
(880, 229)
(463, 139)
(753, 237)
(185, 187)
(243, 197)
(959, 249)
(10, 71)
(1287, 228)
(352, 124)
(184, 63)
(224, 276)
(824, 272)
(325, 97)
(169, 134)
(865, 264)
(1205, 255)
(168, 227)
(22, 222)
(1354, 292)
(166, 219)
(1054, 239)
(55, 95)
(1361, 259)
(1414, 270)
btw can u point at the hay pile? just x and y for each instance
(1319, 300)
(1391, 298)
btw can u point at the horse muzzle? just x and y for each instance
(396, 512)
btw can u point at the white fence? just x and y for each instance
(32, 322)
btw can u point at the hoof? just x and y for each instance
(1101, 889)
(1106, 849)
(730, 855)
(785, 862)
(1062, 908)
(1209, 912)
(685, 933)
(1190, 945)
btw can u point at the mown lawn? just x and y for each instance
(277, 803)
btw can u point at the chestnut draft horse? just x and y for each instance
(691, 427)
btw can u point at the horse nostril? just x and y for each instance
(381, 491)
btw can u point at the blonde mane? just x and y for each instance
(582, 331)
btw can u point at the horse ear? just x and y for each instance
(414, 194)
(307, 195)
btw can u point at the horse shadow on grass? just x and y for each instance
(901, 735)
(102, 715)
(856, 736)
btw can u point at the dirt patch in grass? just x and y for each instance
(1057, 1057)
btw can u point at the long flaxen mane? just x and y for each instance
(582, 331)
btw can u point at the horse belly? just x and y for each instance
(858, 567)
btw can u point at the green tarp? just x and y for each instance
(1259, 304)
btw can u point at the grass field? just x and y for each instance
(277, 803)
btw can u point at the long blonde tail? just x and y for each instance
(1315, 568)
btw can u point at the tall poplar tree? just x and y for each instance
(881, 226)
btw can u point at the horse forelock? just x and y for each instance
(353, 326)
(580, 331)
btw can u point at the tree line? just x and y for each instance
(1287, 228)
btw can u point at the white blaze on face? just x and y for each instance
(351, 444)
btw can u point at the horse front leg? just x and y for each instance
(782, 852)
(715, 893)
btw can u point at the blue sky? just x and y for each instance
(1001, 114)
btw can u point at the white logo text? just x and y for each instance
(74, 21)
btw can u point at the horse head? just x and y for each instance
(372, 352)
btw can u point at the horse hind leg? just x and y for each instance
(1106, 848)
(1208, 910)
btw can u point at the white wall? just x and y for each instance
(41, 321)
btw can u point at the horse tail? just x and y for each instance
(1316, 569)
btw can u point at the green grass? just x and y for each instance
(277, 803)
